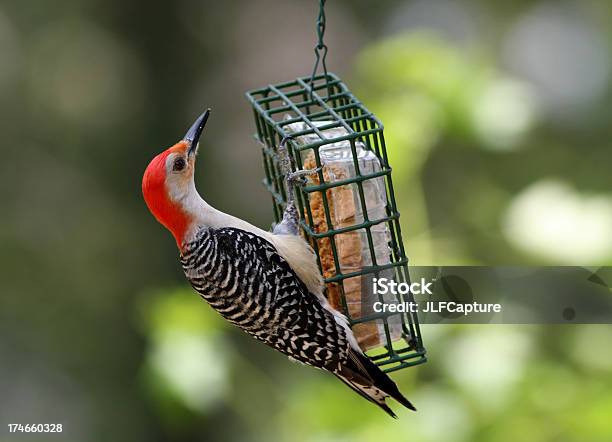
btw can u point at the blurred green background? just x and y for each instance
(497, 119)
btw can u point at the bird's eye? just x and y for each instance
(179, 164)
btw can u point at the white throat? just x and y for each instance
(205, 215)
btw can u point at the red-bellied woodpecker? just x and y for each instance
(266, 283)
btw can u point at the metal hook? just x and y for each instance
(320, 57)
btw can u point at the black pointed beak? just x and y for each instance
(195, 131)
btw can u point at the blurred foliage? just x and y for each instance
(497, 122)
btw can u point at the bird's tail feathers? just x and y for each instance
(363, 376)
(368, 393)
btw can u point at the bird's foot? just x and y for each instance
(291, 217)
(299, 177)
(290, 223)
(292, 178)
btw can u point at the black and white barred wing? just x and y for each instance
(244, 278)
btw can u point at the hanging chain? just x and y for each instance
(320, 50)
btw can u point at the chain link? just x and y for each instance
(320, 51)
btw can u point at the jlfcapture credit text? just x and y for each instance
(384, 286)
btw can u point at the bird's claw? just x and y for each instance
(299, 177)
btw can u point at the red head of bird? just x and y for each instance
(168, 185)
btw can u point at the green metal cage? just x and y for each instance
(310, 101)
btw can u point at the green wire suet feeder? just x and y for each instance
(348, 208)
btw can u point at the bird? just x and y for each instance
(267, 283)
